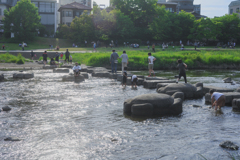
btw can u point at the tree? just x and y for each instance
(82, 28)
(22, 20)
(230, 27)
(204, 29)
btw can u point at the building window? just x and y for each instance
(237, 10)
(3, 1)
(36, 4)
(231, 11)
(46, 7)
(77, 14)
(68, 24)
(63, 14)
(68, 13)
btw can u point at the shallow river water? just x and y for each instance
(66, 120)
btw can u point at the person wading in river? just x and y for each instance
(217, 99)
(182, 71)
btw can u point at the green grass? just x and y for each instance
(138, 59)
(38, 43)
(8, 58)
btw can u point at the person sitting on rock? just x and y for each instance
(134, 81)
(182, 72)
(124, 82)
(52, 62)
(76, 69)
(217, 99)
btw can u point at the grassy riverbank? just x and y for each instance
(8, 58)
(165, 59)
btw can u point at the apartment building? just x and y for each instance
(234, 7)
(5, 5)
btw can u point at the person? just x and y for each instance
(182, 72)
(124, 82)
(85, 43)
(153, 47)
(61, 55)
(76, 69)
(113, 61)
(45, 57)
(182, 47)
(217, 99)
(73, 45)
(180, 42)
(3, 46)
(234, 45)
(52, 62)
(57, 57)
(94, 46)
(148, 46)
(32, 54)
(57, 48)
(151, 59)
(70, 59)
(124, 57)
(23, 46)
(67, 54)
(134, 81)
(195, 45)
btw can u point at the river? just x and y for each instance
(65, 120)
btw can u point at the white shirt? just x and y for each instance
(133, 77)
(216, 95)
(151, 59)
(77, 68)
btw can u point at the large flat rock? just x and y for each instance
(1, 77)
(236, 105)
(206, 89)
(67, 66)
(156, 78)
(229, 97)
(60, 70)
(101, 74)
(72, 78)
(49, 66)
(23, 75)
(152, 84)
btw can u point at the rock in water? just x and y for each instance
(71, 78)
(6, 108)
(196, 106)
(12, 139)
(229, 145)
(1, 77)
(227, 80)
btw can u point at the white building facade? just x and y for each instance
(234, 7)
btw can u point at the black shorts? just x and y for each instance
(44, 59)
(134, 80)
(70, 61)
(76, 71)
(124, 80)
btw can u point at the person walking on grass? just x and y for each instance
(67, 54)
(153, 47)
(151, 59)
(94, 46)
(23, 46)
(182, 71)
(217, 99)
(76, 69)
(114, 61)
(124, 57)
(44, 55)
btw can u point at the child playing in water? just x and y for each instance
(182, 72)
(134, 81)
(218, 99)
(124, 82)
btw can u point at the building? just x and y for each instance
(170, 6)
(69, 11)
(47, 9)
(84, 2)
(187, 5)
(5, 5)
(234, 7)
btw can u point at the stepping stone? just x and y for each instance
(23, 75)
(12, 139)
(49, 66)
(67, 66)
(85, 74)
(60, 70)
(113, 76)
(229, 145)
(101, 74)
(236, 105)
(6, 108)
(72, 78)
(156, 78)
(151, 84)
(206, 89)
(227, 80)
(1, 77)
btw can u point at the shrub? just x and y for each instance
(20, 61)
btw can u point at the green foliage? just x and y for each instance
(9, 58)
(22, 20)
(165, 59)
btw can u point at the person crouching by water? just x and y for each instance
(217, 99)
(76, 69)
(52, 62)
(134, 81)
(124, 82)
(182, 71)
(44, 55)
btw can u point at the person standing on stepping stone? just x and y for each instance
(182, 71)
(114, 61)
(124, 57)
(45, 57)
(151, 59)
(67, 54)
